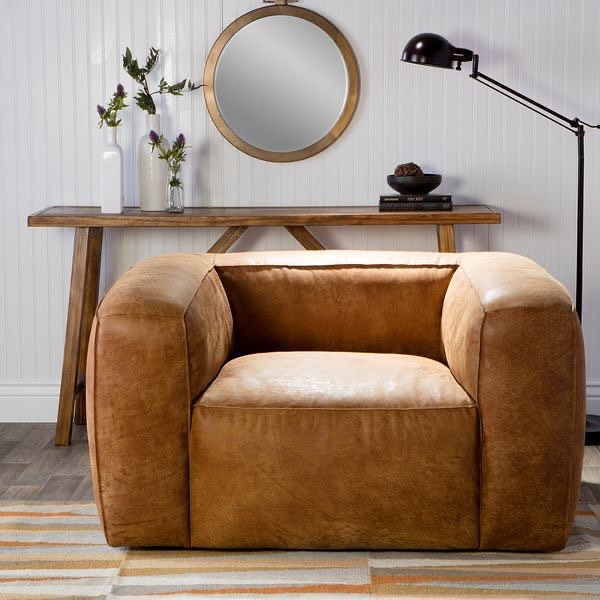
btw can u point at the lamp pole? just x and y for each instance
(580, 133)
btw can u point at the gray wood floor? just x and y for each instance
(32, 468)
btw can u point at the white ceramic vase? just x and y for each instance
(153, 172)
(112, 174)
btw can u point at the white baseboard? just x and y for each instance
(28, 401)
(593, 397)
(37, 402)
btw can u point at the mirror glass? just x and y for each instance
(281, 83)
(277, 68)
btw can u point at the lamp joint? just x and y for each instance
(475, 68)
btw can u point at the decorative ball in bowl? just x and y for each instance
(414, 184)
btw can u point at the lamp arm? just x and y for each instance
(526, 101)
(480, 79)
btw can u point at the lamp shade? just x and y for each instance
(434, 50)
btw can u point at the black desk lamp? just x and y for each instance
(433, 50)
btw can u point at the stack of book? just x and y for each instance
(408, 202)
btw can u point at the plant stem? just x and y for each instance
(147, 90)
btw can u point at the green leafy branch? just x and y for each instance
(143, 98)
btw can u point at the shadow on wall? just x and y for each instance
(200, 177)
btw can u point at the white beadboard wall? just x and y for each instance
(62, 57)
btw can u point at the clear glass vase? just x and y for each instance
(174, 192)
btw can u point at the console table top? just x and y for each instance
(90, 216)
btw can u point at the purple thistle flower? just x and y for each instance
(180, 141)
(154, 137)
(120, 91)
(101, 110)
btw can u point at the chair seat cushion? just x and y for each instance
(335, 380)
(334, 450)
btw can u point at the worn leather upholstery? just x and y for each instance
(514, 343)
(345, 458)
(278, 307)
(160, 336)
(337, 400)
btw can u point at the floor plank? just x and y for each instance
(592, 456)
(29, 445)
(85, 492)
(22, 492)
(61, 487)
(33, 468)
(10, 473)
(13, 432)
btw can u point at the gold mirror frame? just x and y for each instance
(351, 67)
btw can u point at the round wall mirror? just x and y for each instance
(282, 83)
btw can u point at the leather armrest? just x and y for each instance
(160, 336)
(513, 341)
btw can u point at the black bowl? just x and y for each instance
(414, 184)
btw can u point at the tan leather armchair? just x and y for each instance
(337, 400)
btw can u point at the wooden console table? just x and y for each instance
(89, 224)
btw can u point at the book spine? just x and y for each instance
(414, 206)
(409, 198)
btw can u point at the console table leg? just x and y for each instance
(83, 298)
(445, 236)
(90, 303)
(228, 239)
(305, 237)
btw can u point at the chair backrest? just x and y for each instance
(387, 308)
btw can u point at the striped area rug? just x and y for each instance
(58, 551)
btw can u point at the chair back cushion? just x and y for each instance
(343, 307)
